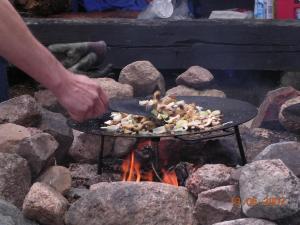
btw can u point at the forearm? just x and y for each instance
(19, 47)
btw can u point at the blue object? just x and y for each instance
(101, 5)
(3, 81)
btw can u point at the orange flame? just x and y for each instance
(169, 177)
(131, 169)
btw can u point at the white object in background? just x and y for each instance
(269, 9)
(227, 14)
(298, 13)
(163, 8)
(158, 9)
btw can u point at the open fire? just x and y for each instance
(132, 171)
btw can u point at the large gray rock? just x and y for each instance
(182, 90)
(143, 77)
(269, 189)
(85, 147)
(76, 193)
(45, 205)
(208, 177)
(130, 203)
(289, 118)
(22, 110)
(225, 150)
(269, 109)
(58, 177)
(247, 221)
(216, 205)
(288, 152)
(85, 175)
(38, 150)
(11, 215)
(56, 125)
(114, 89)
(195, 77)
(11, 135)
(48, 101)
(291, 220)
(15, 178)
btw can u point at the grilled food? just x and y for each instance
(169, 115)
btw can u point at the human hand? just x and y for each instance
(81, 97)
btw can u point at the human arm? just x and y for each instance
(82, 97)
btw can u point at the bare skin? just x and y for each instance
(81, 96)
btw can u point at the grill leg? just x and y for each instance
(240, 145)
(155, 147)
(100, 157)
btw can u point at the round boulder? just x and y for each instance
(114, 89)
(182, 90)
(15, 178)
(269, 190)
(289, 115)
(195, 77)
(143, 77)
(130, 203)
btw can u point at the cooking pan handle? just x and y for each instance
(205, 136)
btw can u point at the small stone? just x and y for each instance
(136, 203)
(22, 110)
(48, 101)
(45, 205)
(208, 177)
(11, 215)
(143, 77)
(15, 178)
(39, 151)
(182, 90)
(269, 189)
(114, 89)
(289, 116)
(58, 177)
(288, 152)
(55, 124)
(85, 175)
(269, 110)
(195, 77)
(216, 205)
(247, 221)
(11, 135)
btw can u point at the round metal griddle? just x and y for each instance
(235, 112)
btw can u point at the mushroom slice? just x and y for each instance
(159, 130)
(112, 128)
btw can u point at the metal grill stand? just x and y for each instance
(235, 113)
(155, 147)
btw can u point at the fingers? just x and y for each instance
(95, 108)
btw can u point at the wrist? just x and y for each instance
(60, 83)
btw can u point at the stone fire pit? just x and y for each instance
(48, 172)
